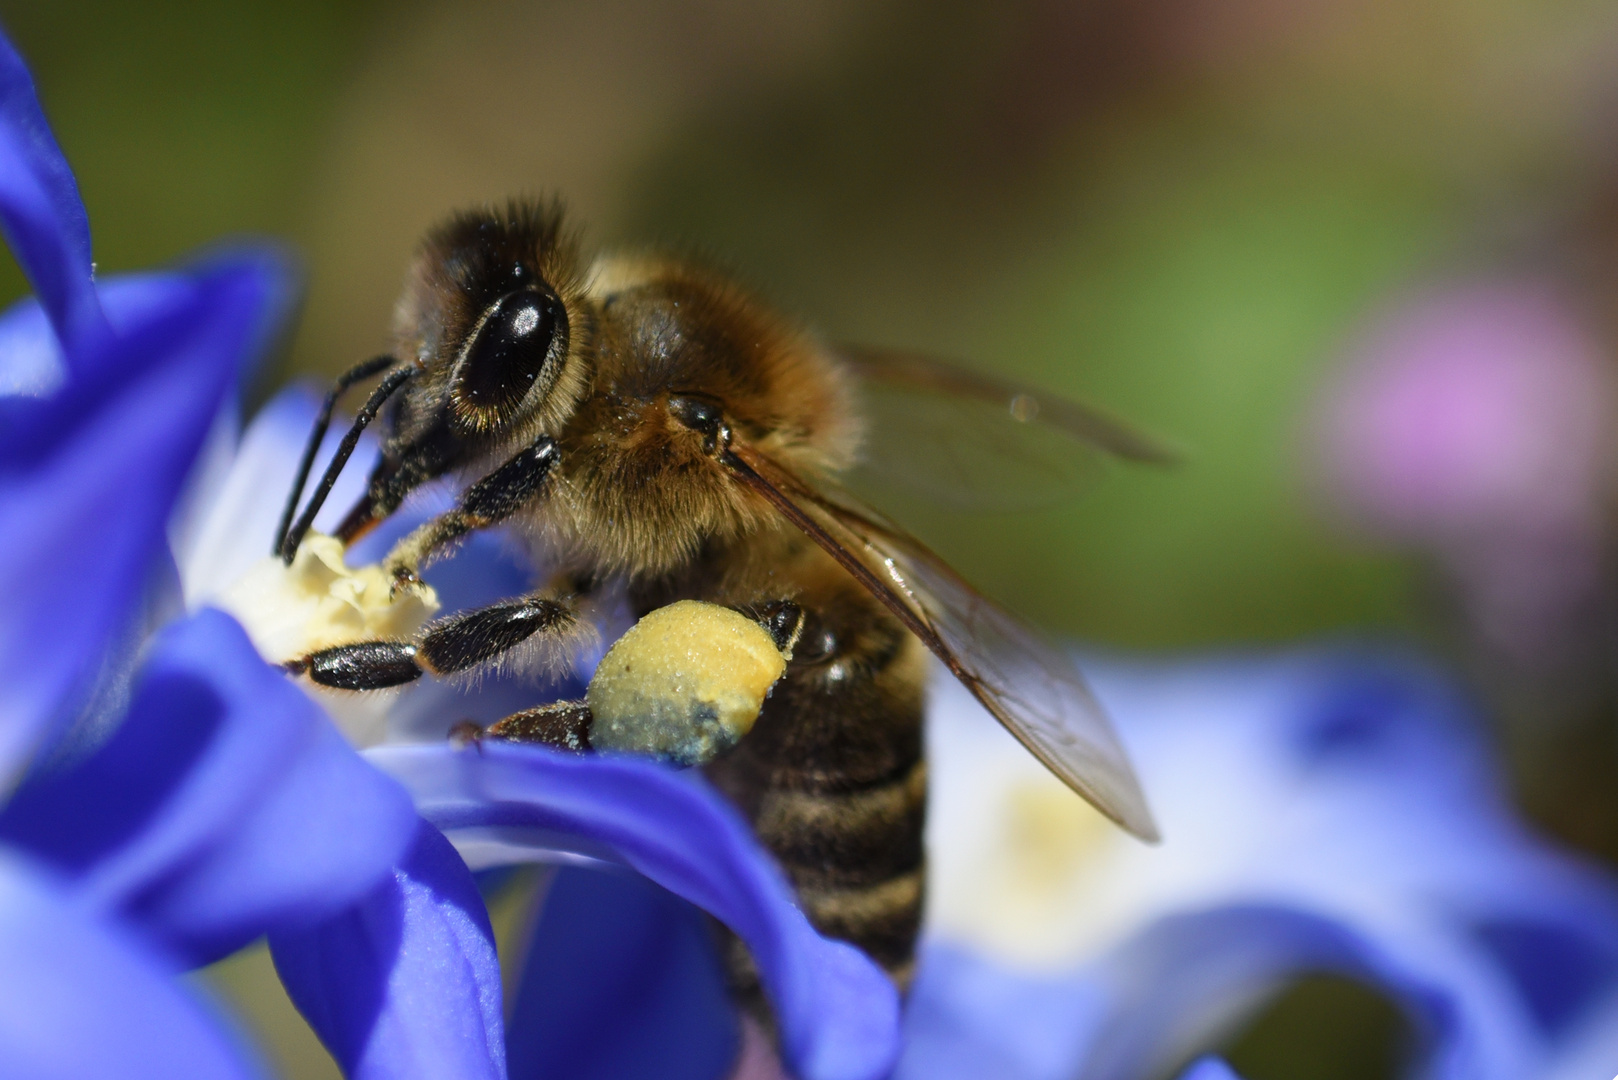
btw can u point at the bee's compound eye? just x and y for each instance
(508, 354)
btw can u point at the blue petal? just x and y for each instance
(838, 1013)
(1326, 810)
(40, 208)
(81, 998)
(31, 363)
(1209, 1068)
(1184, 975)
(1556, 963)
(622, 979)
(225, 805)
(967, 1018)
(236, 529)
(31, 359)
(88, 476)
(406, 983)
(1592, 1049)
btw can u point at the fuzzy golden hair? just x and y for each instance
(639, 492)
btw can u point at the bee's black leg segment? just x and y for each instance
(473, 637)
(486, 503)
(563, 724)
(445, 647)
(498, 495)
(365, 665)
(360, 371)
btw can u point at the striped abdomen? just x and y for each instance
(833, 777)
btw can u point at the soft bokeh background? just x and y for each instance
(1200, 214)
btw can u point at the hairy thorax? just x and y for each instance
(639, 494)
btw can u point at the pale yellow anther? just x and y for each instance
(318, 602)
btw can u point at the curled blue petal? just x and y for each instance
(40, 208)
(1327, 810)
(1591, 1049)
(82, 998)
(405, 984)
(88, 476)
(1185, 974)
(838, 1014)
(621, 979)
(226, 804)
(1558, 961)
(31, 360)
(31, 363)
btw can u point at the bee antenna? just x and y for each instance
(317, 434)
(293, 536)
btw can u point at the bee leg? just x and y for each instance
(562, 724)
(474, 637)
(486, 503)
(364, 665)
(465, 733)
(446, 647)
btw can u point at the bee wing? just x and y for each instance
(967, 439)
(1023, 681)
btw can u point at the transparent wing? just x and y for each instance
(977, 441)
(1026, 684)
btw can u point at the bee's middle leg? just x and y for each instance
(445, 647)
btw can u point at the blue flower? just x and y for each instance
(171, 797)
(128, 855)
(1324, 811)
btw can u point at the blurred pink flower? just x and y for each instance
(1477, 422)
(1480, 408)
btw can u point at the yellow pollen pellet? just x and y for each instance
(683, 684)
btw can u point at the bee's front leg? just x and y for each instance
(486, 503)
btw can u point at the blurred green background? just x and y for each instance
(1177, 210)
(1174, 210)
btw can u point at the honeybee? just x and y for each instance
(645, 422)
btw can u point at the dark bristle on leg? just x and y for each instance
(466, 640)
(317, 433)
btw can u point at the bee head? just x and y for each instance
(491, 315)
